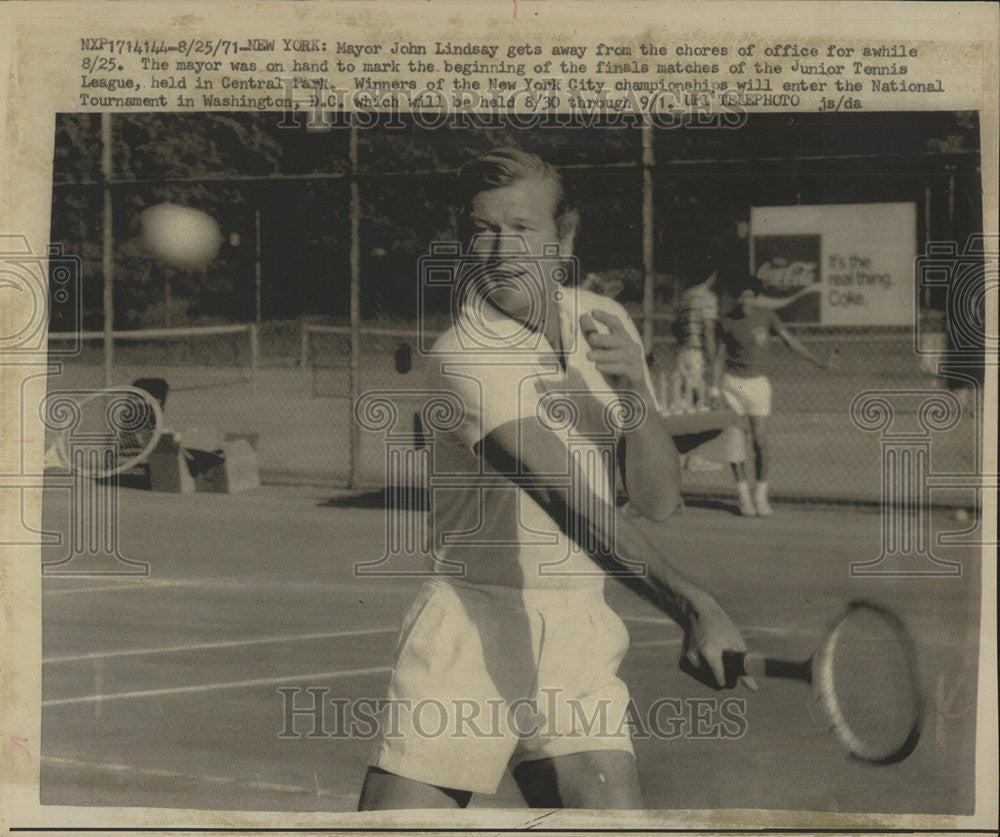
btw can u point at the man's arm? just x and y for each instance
(652, 464)
(525, 451)
(652, 468)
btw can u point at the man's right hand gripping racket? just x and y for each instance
(864, 676)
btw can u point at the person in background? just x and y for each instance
(739, 375)
(694, 329)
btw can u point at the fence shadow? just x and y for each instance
(407, 499)
(714, 505)
(417, 499)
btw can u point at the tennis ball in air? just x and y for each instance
(183, 237)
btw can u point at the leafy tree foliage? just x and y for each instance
(238, 166)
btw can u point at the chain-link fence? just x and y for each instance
(817, 450)
(323, 236)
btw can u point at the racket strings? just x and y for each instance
(869, 685)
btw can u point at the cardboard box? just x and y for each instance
(234, 470)
(168, 467)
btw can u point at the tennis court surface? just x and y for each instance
(163, 691)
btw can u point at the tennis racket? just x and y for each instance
(864, 676)
(115, 428)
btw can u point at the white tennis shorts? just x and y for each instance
(747, 396)
(486, 680)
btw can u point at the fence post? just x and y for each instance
(649, 279)
(256, 266)
(355, 360)
(927, 239)
(107, 245)
(254, 356)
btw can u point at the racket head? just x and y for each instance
(119, 426)
(865, 677)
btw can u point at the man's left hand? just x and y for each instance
(616, 355)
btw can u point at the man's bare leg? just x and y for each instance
(383, 791)
(598, 779)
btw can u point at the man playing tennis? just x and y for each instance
(511, 640)
(743, 340)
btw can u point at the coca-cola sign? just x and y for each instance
(781, 273)
(788, 265)
(837, 264)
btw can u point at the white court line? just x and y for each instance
(139, 585)
(750, 629)
(208, 646)
(658, 620)
(655, 642)
(190, 777)
(676, 640)
(211, 687)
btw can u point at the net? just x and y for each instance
(388, 358)
(866, 676)
(198, 357)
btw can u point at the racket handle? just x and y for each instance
(739, 663)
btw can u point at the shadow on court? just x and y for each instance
(413, 499)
